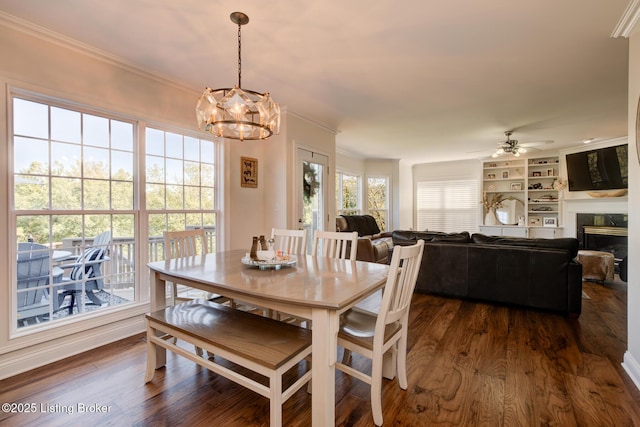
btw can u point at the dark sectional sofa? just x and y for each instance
(537, 273)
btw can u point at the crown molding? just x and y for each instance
(628, 21)
(45, 34)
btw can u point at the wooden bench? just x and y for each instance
(260, 344)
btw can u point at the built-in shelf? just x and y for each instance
(527, 180)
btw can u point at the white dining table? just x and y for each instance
(314, 288)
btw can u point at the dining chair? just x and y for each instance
(336, 244)
(290, 241)
(374, 335)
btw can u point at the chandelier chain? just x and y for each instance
(239, 56)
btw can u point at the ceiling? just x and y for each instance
(419, 80)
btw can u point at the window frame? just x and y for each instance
(387, 208)
(20, 337)
(340, 174)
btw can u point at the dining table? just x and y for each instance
(314, 288)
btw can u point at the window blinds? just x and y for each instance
(448, 206)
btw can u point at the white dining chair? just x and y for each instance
(372, 335)
(290, 241)
(183, 243)
(335, 244)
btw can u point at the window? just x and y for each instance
(74, 205)
(180, 186)
(377, 200)
(348, 199)
(447, 206)
(73, 181)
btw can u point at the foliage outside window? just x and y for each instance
(73, 180)
(180, 186)
(377, 200)
(75, 177)
(347, 194)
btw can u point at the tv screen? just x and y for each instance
(600, 169)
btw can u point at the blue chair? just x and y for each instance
(33, 281)
(85, 270)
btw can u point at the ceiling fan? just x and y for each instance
(510, 146)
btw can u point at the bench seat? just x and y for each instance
(262, 345)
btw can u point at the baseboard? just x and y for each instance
(632, 367)
(35, 356)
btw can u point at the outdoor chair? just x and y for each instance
(32, 282)
(85, 274)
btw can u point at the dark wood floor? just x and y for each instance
(469, 364)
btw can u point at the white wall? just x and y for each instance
(632, 356)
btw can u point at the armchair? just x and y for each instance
(32, 281)
(85, 274)
(373, 245)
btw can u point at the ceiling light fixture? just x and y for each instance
(238, 113)
(510, 146)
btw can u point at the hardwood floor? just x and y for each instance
(469, 364)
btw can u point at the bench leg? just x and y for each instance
(151, 355)
(275, 400)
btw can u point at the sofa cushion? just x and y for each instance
(569, 244)
(409, 237)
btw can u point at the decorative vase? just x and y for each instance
(490, 217)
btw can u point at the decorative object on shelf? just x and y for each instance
(492, 187)
(491, 176)
(490, 217)
(509, 211)
(559, 184)
(516, 186)
(248, 172)
(505, 174)
(615, 193)
(490, 204)
(536, 173)
(535, 221)
(520, 220)
(550, 222)
(510, 146)
(238, 113)
(550, 172)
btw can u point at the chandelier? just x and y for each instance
(510, 146)
(238, 113)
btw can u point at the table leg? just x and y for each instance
(158, 302)
(323, 386)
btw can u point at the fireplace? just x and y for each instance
(603, 232)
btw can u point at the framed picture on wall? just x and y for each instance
(505, 174)
(248, 172)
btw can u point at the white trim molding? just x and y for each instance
(628, 21)
(632, 367)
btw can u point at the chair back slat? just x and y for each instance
(336, 244)
(183, 243)
(290, 241)
(401, 282)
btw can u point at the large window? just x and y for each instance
(378, 200)
(447, 206)
(76, 175)
(348, 194)
(180, 186)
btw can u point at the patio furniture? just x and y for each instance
(85, 274)
(32, 275)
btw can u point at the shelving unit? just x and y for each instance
(529, 180)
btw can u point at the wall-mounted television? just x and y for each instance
(600, 169)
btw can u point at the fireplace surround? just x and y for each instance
(603, 232)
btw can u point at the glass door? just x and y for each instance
(311, 192)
